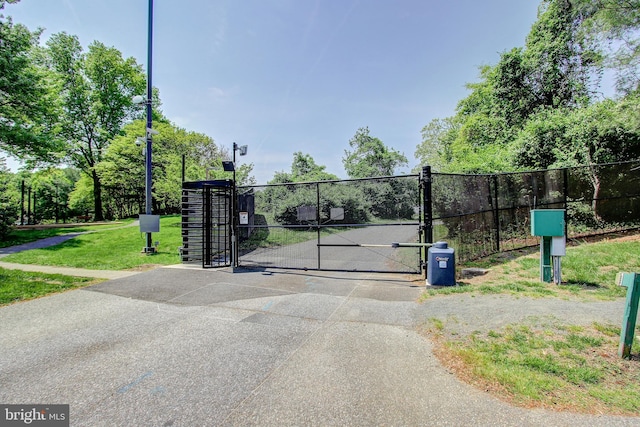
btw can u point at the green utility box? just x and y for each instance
(547, 222)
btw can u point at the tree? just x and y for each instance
(26, 95)
(603, 132)
(613, 26)
(9, 201)
(95, 89)
(283, 201)
(554, 70)
(559, 61)
(52, 188)
(122, 170)
(370, 157)
(304, 168)
(435, 148)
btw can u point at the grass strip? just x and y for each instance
(16, 285)
(547, 364)
(110, 249)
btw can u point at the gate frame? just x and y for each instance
(424, 223)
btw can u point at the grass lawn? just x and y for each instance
(544, 362)
(110, 249)
(20, 236)
(16, 285)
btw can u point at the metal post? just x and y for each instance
(565, 189)
(234, 213)
(148, 161)
(427, 220)
(318, 220)
(22, 203)
(496, 211)
(183, 166)
(29, 206)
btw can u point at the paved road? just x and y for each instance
(187, 347)
(305, 255)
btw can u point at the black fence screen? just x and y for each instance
(334, 225)
(483, 214)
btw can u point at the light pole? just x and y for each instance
(149, 221)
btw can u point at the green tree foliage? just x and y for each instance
(96, 88)
(369, 157)
(282, 202)
(52, 188)
(9, 201)
(523, 109)
(26, 95)
(602, 132)
(123, 167)
(558, 60)
(613, 26)
(304, 168)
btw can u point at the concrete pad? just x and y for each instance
(124, 353)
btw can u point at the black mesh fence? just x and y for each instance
(334, 225)
(484, 214)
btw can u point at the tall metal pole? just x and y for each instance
(148, 181)
(234, 213)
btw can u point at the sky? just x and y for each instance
(282, 76)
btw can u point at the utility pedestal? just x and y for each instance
(549, 224)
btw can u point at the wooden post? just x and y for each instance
(632, 282)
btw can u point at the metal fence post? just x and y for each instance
(318, 218)
(427, 212)
(496, 211)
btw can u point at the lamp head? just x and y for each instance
(138, 99)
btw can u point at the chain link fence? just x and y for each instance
(484, 214)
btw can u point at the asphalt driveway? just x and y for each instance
(187, 347)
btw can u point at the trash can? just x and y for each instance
(441, 266)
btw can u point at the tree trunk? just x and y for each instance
(595, 181)
(97, 196)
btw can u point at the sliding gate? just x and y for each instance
(207, 223)
(374, 224)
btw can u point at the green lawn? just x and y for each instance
(110, 249)
(543, 363)
(20, 236)
(16, 285)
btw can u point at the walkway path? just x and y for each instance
(67, 271)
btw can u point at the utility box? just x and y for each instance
(547, 222)
(441, 265)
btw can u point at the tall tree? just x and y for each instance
(613, 26)
(96, 89)
(560, 62)
(435, 148)
(26, 95)
(556, 69)
(122, 169)
(370, 157)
